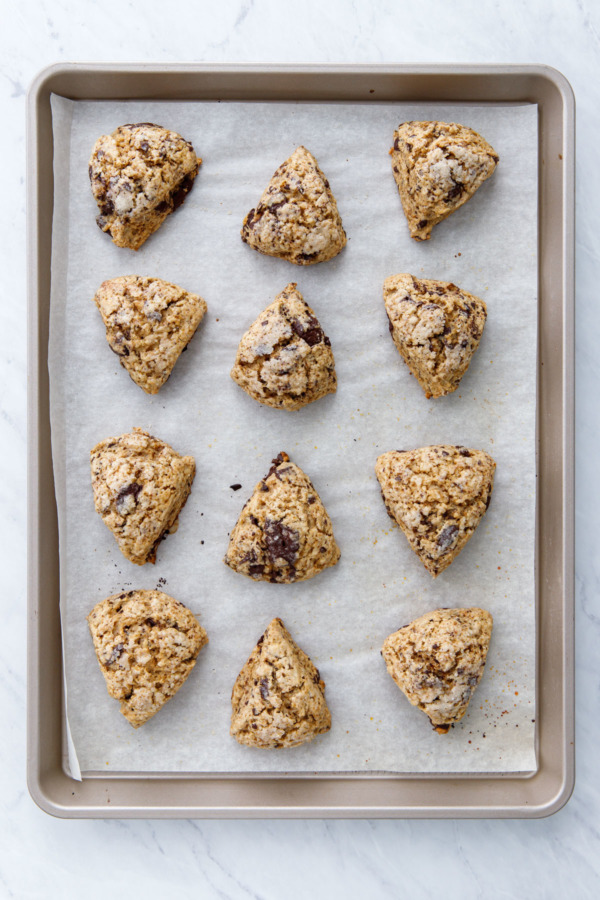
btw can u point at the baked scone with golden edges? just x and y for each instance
(140, 486)
(297, 216)
(437, 661)
(436, 328)
(437, 495)
(278, 699)
(147, 644)
(438, 166)
(139, 175)
(285, 359)
(149, 323)
(283, 533)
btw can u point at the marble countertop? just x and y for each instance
(46, 857)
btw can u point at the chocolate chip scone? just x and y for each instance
(147, 644)
(284, 359)
(436, 328)
(140, 486)
(149, 322)
(437, 495)
(139, 175)
(297, 216)
(437, 661)
(438, 166)
(283, 533)
(278, 699)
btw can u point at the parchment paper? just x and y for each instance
(341, 617)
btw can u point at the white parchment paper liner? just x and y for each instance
(341, 617)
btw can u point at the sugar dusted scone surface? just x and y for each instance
(436, 328)
(146, 644)
(149, 322)
(283, 533)
(297, 216)
(139, 175)
(438, 496)
(285, 360)
(278, 699)
(438, 166)
(140, 485)
(437, 661)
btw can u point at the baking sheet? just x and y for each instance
(342, 617)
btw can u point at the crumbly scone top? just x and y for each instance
(285, 359)
(437, 495)
(297, 216)
(140, 485)
(438, 659)
(146, 644)
(438, 166)
(139, 174)
(278, 699)
(284, 533)
(436, 328)
(149, 322)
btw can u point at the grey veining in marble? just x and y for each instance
(557, 857)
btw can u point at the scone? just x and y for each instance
(437, 661)
(285, 359)
(140, 486)
(147, 644)
(149, 322)
(139, 174)
(438, 166)
(278, 699)
(283, 533)
(297, 217)
(437, 495)
(436, 328)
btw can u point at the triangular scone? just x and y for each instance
(278, 699)
(283, 533)
(146, 643)
(139, 174)
(297, 217)
(149, 322)
(438, 166)
(437, 661)
(140, 486)
(436, 328)
(284, 359)
(437, 495)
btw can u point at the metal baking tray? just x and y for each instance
(159, 795)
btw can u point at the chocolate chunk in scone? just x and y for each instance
(437, 661)
(436, 328)
(437, 495)
(139, 174)
(147, 644)
(140, 486)
(438, 166)
(283, 533)
(278, 699)
(297, 217)
(285, 359)
(149, 322)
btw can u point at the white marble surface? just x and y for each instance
(44, 857)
